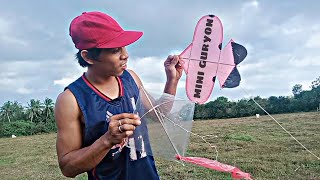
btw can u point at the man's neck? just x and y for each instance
(98, 79)
(108, 85)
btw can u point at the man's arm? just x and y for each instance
(174, 72)
(73, 159)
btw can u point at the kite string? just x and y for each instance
(280, 124)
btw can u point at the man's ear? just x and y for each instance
(88, 59)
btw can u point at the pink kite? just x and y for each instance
(204, 61)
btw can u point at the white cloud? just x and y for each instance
(251, 4)
(306, 61)
(313, 41)
(65, 81)
(23, 90)
(6, 36)
(4, 26)
(248, 12)
(150, 69)
(33, 78)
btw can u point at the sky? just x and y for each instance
(282, 39)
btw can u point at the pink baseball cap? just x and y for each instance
(99, 30)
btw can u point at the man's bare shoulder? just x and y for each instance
(66, 106)
(135, 77)
(66, 98)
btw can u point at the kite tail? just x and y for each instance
(236, 173)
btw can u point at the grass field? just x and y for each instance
(258, 146)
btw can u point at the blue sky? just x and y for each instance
(282, 39)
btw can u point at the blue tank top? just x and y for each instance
(97, 109)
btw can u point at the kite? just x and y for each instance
(166, 122)
(203, 60)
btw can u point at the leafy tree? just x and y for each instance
(34, 109)
(6, 111)
(17, 111)
(315, 83)
(263, 103)
(296, 89)
(48, 108)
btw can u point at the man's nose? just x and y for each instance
(124, 54)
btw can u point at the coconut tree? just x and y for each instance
(17, 111)
(34, 109)
(6, 111)
(48, 108)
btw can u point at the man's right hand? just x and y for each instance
(120, 127)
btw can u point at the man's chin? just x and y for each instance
(119, 74)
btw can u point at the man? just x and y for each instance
(94, 114)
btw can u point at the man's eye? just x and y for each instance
(115, 50)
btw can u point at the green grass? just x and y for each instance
(241, 137)
(258, 146)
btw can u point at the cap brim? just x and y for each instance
(124, 39)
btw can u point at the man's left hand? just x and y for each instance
(173, 68)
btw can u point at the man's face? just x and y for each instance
(112, 61)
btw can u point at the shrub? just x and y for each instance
(25, 128)
(18, 128)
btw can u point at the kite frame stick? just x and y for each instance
(208, 61)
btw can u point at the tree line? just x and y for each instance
(300, 101)
(38, 116)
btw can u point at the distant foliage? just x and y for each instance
(35, 118)
(301, 101)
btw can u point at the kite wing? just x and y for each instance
(231, 55)
(204, 61)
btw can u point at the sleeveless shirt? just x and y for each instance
(129, 164)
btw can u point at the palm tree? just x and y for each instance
(17, 111)
(48, 108)
(34, 109)
(6, 110)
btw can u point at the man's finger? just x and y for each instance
(175, 60)
(124, 116)
(129, 133)
(135, 122)
(127, 127)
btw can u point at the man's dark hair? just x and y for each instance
(92, 53)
